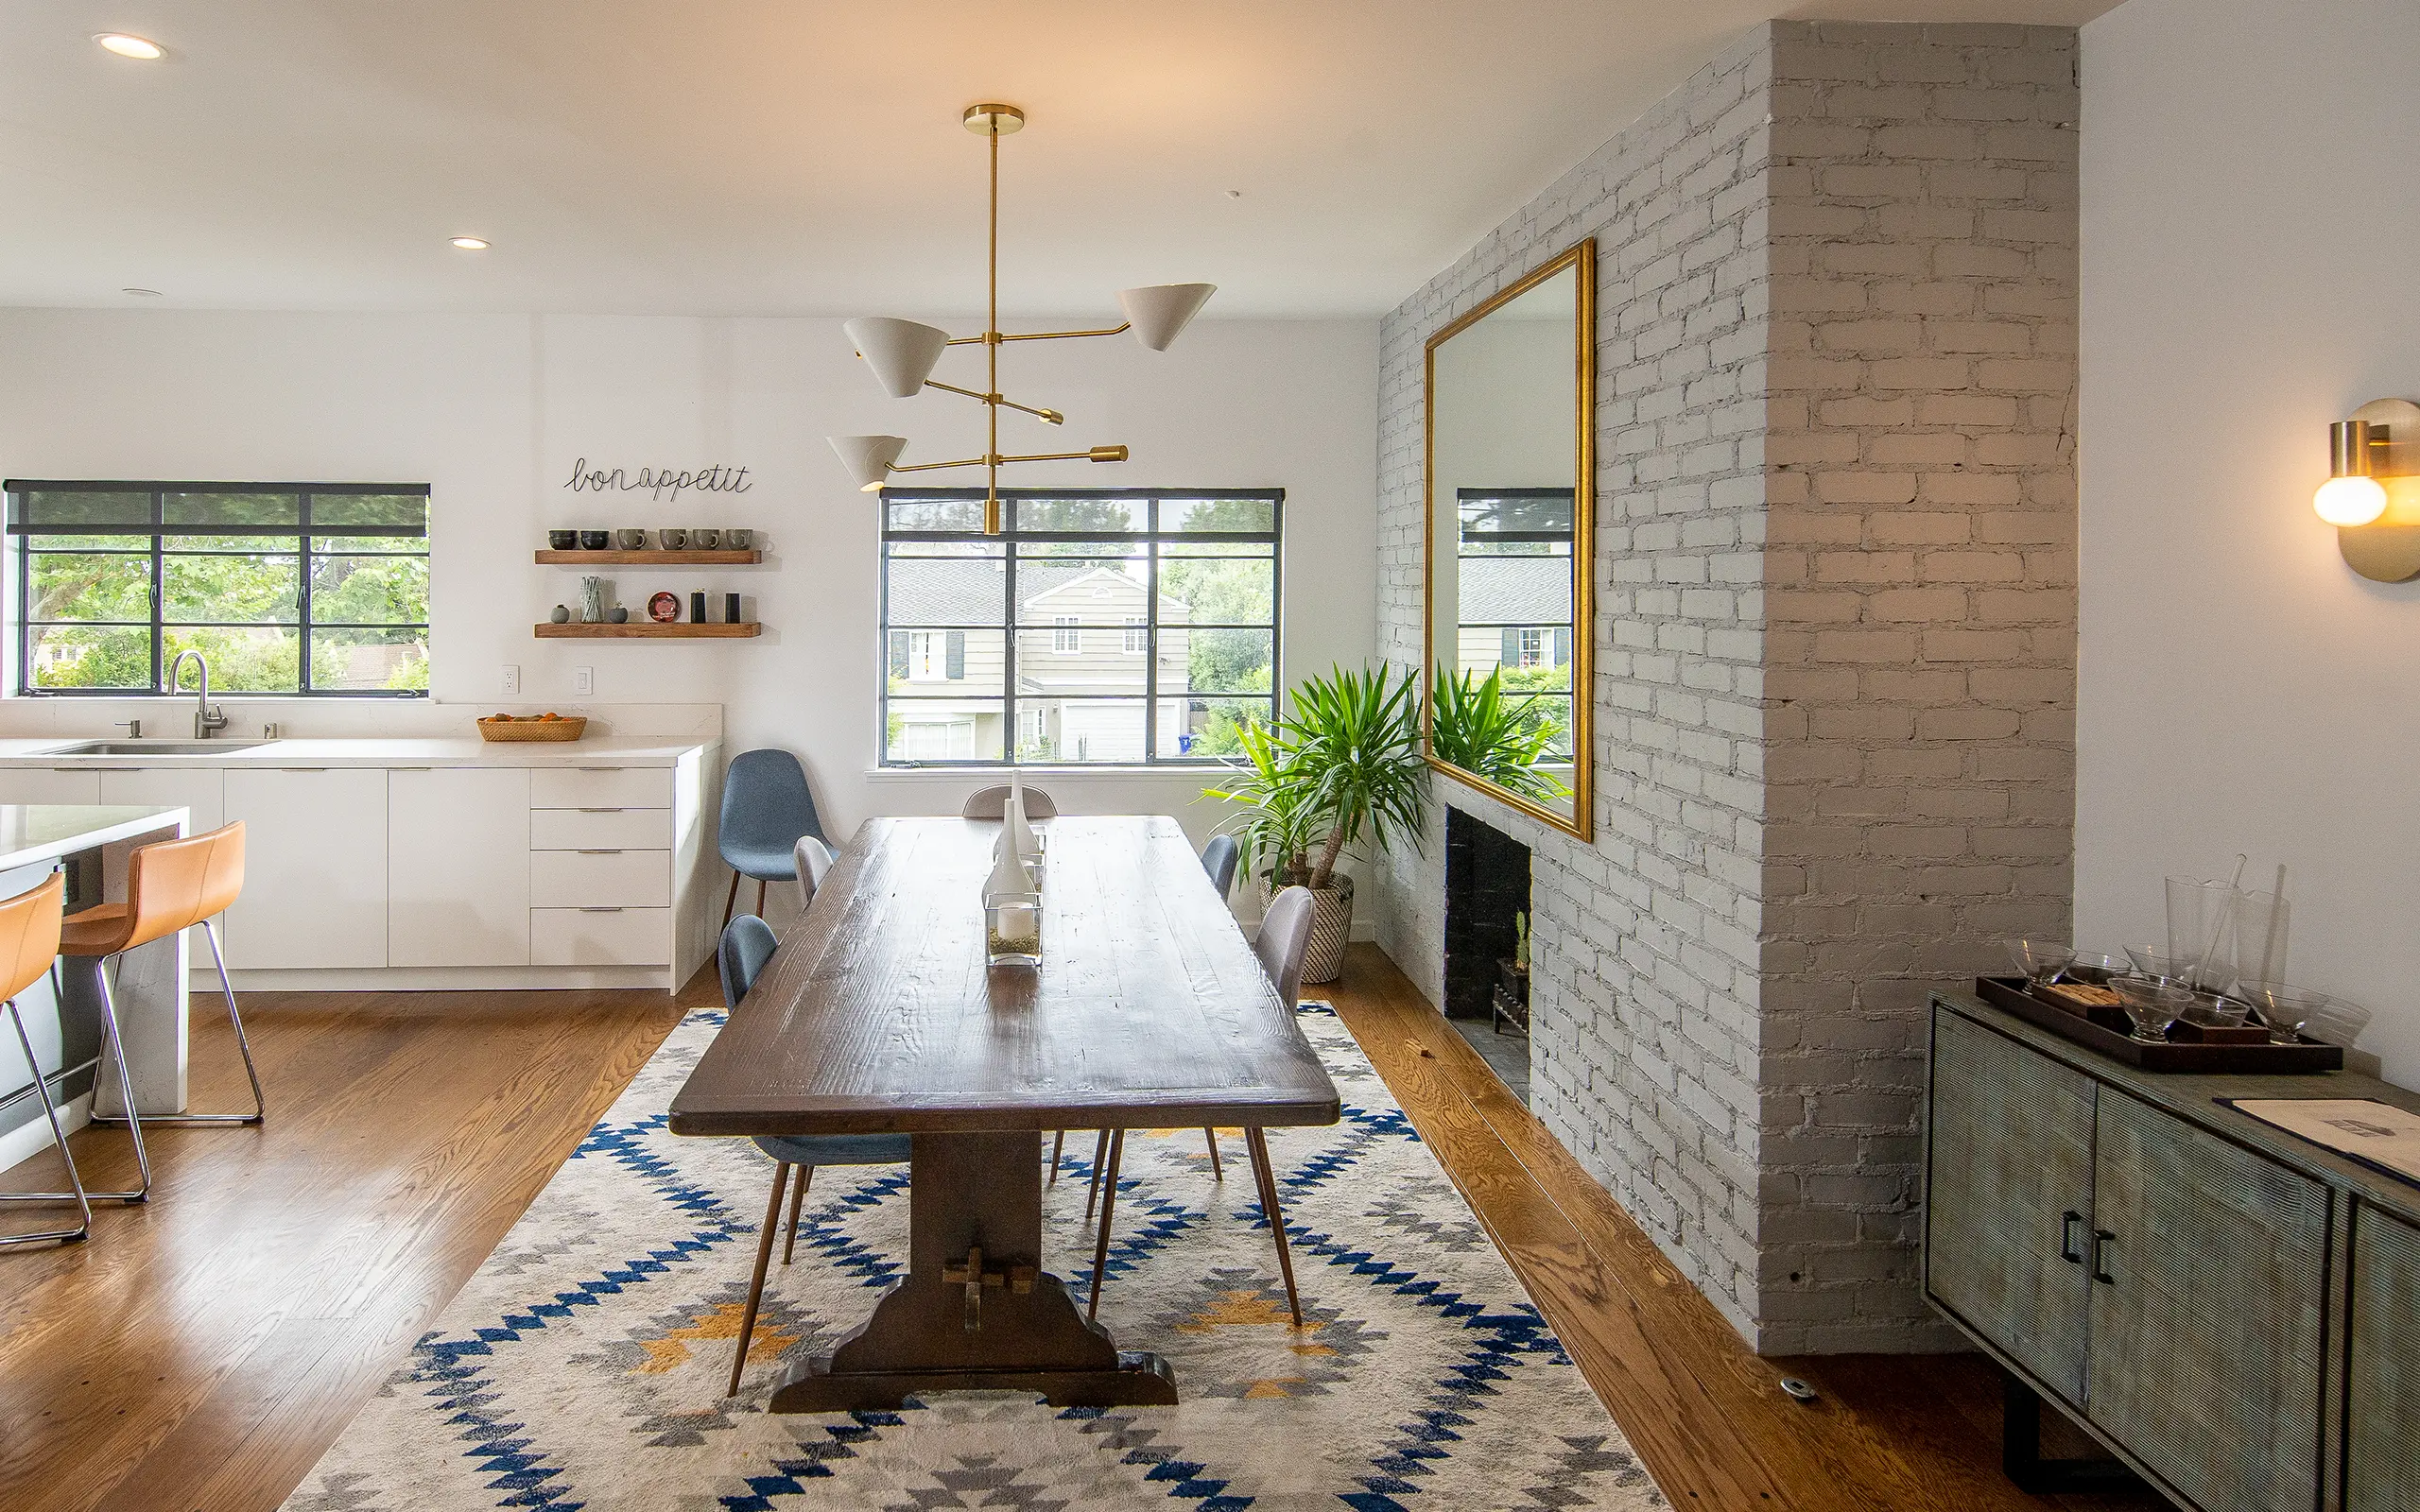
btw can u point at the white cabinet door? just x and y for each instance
(458, 866)
(202, 791)
(45, 784)
(315, 867)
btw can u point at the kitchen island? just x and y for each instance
(93, 843)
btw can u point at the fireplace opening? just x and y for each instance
(1487, 986)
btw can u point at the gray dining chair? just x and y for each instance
(765, 808)
(1218, 859)
(1284, 938)
(746, 944)
(812, 858)
(992, 802)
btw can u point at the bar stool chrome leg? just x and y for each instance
(50, 1111)
(260, 1104)
(134, 1121)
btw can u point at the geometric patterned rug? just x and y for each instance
(583, 1366)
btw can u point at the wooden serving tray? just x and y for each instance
(2010, 993)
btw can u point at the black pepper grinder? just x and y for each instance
(698, 607)
(731, 609)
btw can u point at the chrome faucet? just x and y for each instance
(207, 721)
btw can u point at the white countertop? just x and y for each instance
(31, 832)
(366, 752)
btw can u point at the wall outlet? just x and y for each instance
(583, 681)
(513, 680)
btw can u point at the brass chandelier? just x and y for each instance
(903, 353)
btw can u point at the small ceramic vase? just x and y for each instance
(592, 600)
(618, 615)
(561, 614)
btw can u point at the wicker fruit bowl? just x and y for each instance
(532, 727)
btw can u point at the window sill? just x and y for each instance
(999, 774)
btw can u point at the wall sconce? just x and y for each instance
(2372, 495)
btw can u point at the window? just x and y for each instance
(318, 588)
(1182, 586)
(1513, 581)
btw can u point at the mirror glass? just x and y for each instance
(1511, 391)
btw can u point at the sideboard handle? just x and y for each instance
(600, 853)
(2067, 1251)
(2101, 1240)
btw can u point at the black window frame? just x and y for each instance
(1151, 538)
(157, 531)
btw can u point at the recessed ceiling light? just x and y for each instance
(470, 244)
(128, 45)
(141, 294)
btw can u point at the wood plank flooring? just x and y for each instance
(206, 1348)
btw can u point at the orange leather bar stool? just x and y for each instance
(28, 944)
(170, 886)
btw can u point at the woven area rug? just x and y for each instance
(583, 1366)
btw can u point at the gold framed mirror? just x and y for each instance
(1509, 482)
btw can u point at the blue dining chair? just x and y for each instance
(746, 944)
(1218, 859)
(765, 808)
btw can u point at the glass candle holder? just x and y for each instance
(1012, 929)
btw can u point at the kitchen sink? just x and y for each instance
(157, 747)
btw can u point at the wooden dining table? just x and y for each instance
(878, 1014)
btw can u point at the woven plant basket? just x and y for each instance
(1331, 926)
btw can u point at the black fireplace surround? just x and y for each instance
(1487, 886)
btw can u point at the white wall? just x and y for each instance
(492, 411)
(2250, 215)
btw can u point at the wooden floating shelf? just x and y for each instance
(649, 558)
(647, 630)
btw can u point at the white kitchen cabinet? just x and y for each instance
(582, 879)
(202, 791)
(600, 830)
(603, 787)
(600, 937)
(315, 867)
(458, 866)
(45, 784)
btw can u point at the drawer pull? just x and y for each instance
(2067, 1251)
(600, 768)
(600, 910)
(2101, 1240)
(600, 811)
(301, 768)
(598, 853)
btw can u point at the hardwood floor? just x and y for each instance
(204, 1350)
(1709, 1417)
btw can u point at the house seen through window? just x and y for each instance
(1113, 626)
(1512, 574)
(318, 588)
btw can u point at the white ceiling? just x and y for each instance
(802, 157)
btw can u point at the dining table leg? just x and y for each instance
(974, 1309)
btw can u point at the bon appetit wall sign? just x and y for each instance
(662, 483)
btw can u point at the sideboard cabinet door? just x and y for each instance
(2009, 1198)
(2382, 1430)
(2207, 1333)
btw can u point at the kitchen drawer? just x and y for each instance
(600, 829)
(600, 787)
(600, 879)
(600, 937)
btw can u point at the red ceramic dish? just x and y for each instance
(663, 609)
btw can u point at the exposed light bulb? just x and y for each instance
(2349, 501)
(141, 48)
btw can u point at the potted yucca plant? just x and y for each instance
(1342, 767)
(1477, 728)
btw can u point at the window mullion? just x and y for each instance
(303, 601)
(159, 584)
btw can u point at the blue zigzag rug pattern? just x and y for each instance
(583, 1366)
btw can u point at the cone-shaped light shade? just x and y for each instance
(868, 457)
(902, 352)
(1161, 311)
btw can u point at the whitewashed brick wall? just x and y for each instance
(1835, 616)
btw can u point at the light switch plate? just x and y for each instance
(583, 681)
(513, 680)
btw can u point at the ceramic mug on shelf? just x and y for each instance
(594, 540)
(673, 540)
(631, 539)
(706, 539)
(735, 540)
(561, 540)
